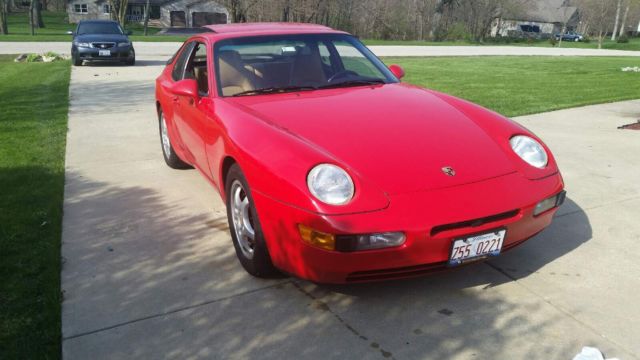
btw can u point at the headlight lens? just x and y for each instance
(123, 44)
(83, 44)
(330, 184)
(529, 150)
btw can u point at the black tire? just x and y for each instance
(132, 60)
(76, 60)
(170, 157)
(259, 262)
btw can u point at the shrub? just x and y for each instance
(553, 41)
(623, 39)
(586, 39)
(458, 32)
(34, 58)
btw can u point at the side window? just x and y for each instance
(197, 68)
(178, 68)
(355, 61)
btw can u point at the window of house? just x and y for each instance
(154, 12)
(81, 8)
(106, 8)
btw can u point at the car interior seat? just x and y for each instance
(234, 77)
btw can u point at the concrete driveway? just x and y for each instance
(149, 269)
(169, 48)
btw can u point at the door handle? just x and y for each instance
(175, 99)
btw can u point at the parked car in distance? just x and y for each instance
(570, 36)
(101, 40)
(333, 170)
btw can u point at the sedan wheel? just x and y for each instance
(246, 233)
(242, 219)
(170, 156)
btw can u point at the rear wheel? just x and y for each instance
(244, 225)
(170, 156)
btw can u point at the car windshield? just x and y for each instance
(275, 64)
(99, 28)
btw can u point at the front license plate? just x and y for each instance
(104, 52)
(476, 247)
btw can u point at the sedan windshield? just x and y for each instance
(283, 63)
(99, 28)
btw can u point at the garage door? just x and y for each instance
(208, 18)
(178, 19)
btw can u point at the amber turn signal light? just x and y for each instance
(317, 238)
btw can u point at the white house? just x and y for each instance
(163, 13)
(543, 19)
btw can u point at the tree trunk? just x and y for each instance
(615, 26)
(4, 4)
(564, 29)
(600, 37)
(147, 8)
(624, 20)
(37, 8)
(32, 25)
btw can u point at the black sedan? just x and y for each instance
(101, 40)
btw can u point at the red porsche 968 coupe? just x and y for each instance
(333, 170)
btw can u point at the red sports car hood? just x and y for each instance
(397, 136)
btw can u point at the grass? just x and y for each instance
(34, 100)
(633, 44)
(525, 85)
(57, 24)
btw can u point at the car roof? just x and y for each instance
(97, 21)
(264, 28)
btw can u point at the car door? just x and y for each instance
(195, 113)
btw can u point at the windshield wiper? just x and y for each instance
(357, 82)
(273, 90)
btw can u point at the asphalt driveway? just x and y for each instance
(149, 269)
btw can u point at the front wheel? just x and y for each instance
(170, 156)
(132, 59)
(246, 233)
(76, 60)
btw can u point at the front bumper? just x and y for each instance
(122, 53)
(431, 220)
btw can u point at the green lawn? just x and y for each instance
(34, 102)
(57, 24)
(525, 85)
(633, 44)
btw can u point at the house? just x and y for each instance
(162, 13)
(541, 19)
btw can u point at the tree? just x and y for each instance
(624, 19)
(119, 10)
(615, 27)
(4, 4)
(597, 16)
(146, 17)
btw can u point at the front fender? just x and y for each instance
(276, 163)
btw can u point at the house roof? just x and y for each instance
(259, 27)
(549, 11)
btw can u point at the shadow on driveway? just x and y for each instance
(144, 276)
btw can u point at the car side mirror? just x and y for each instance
(186, 87)
(129, 32)
(397, 70)
(69, 32)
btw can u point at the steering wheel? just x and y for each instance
(342, 74)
